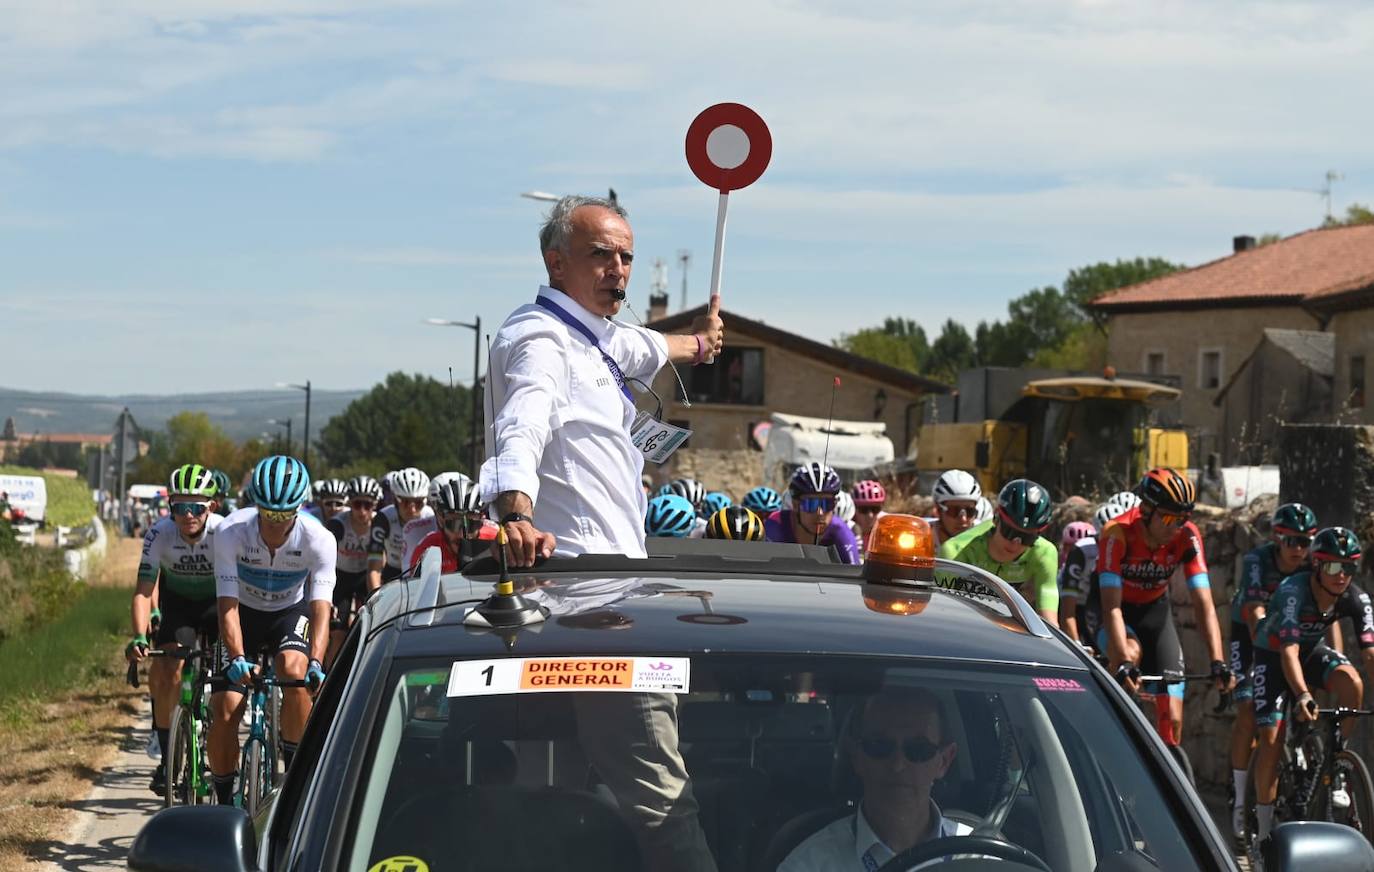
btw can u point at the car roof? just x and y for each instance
(703, 603)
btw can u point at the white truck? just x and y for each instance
(854, 447)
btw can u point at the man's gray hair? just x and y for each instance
(558, 225)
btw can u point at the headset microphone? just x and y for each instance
(617, 293)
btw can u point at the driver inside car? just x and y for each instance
(897, 748)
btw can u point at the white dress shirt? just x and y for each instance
(850, 844)
(561, 425)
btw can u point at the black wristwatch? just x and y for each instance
(516, 517)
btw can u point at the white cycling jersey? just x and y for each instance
(185, 568)
(352, 550)
(389, 537)
(416, 529)
(302, 568)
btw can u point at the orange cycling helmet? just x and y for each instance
(1167, 489)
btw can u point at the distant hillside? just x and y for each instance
(242, 414)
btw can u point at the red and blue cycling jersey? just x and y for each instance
(778, 528)
(1126, 560)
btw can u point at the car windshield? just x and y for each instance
(721, 762)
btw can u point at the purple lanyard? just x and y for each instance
(581, 328)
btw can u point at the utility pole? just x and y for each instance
(684, 257)
(122, 460)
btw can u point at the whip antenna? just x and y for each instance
(830, 422)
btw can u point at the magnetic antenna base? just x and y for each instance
(509, 610)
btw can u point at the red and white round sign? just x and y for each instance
(728, 146)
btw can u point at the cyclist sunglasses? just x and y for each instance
(274, 516)
(1297, 541)
(1171, 519)
(461, 523)
(195, 510)
(1016, 534)
(914, 750)
(960, 511)
(1339, 567)
(816, 504)
(363, 505)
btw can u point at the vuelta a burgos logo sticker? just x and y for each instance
(1059, 685)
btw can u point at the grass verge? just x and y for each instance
(62, 653)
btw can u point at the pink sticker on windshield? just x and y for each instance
(1068, 685)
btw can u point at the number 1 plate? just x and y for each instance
(563, 674)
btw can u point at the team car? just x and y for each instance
(721, 706)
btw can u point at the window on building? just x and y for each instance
(1209, 370)
(736, 377)
(1357, 381)
(1154, 363)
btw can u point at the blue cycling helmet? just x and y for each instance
(670, 515)
(763, 500)
(280, 483)
(714, 502)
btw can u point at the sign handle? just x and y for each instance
(717, 260)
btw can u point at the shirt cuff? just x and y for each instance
(508, 472)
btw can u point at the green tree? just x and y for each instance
(1355, 213)
(952, 351)
(899, 342)
(407, 420)
(187, 437)
(1085, 284)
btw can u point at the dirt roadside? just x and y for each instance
(51, 753)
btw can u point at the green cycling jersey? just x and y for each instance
(1033, 574)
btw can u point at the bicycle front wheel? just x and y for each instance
(1350, 772)
(252, 775)
(181, 788)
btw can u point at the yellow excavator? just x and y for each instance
(1074, 434)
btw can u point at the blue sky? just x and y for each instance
(297, 184)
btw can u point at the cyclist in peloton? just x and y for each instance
(178, 559)
(352, 530)
(811, 519)
(386, 552)
(1291, 530)
(1080, 565)
(1010, 546)
(670, 515)
(331, 498)
(1291, 656)
(735, 522)
(418, 529)
(869, 498)
(463, 533)
(762, 501)
(274, 578)
(221, 504)
(1130, 613)
(693, 492)
(956, 495)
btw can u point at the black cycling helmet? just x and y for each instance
(1167, 489)
(1024, 505)
(1294, 519)
(735, 522)
(815, 478)
(1335, 544)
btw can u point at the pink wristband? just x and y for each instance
(701, 350)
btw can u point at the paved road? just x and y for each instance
(107, 820)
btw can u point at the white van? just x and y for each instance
(854, 447)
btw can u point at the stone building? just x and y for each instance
(1286, 378)
(762, 370)
(1203, 323)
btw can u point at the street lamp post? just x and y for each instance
(305, 447)
(287, 425)
(476, 328)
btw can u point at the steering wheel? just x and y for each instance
(985, 846)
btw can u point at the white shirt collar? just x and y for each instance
(600, 327)
(865, 840)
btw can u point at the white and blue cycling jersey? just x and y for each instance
(301, 569)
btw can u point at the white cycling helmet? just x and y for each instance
(844, 506)
(984, 511)
(410, 483)
(1115, 506)
(955, 484)
(442, 479)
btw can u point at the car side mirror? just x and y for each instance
(208, 838)
(1317, 846)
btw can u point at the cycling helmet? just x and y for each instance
(1075, 531)
(1335, 544)
(869, 493)
(1167, 489)
(1024, 505)
(955, 484)
(410, 483)
(815, 478)
(844, 506)
(280, 483)
(1294, 519)
(715, 501)
(689, 489)
(332, 488)
(670, 515)
(192, 480)
(1115, 506)
(364, 486)
(984, 511)
(458, 495)
(315, 487)
(735, 522)
(442, 479)
(763, 500)
(221, 483)
(664, 491)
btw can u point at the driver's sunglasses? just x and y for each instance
(277, 516)
(960, 511)
(816, 504)
(416, 503)
(1297, 541)
(462, 523)
(363, 505)
(1339, 567)
(914, 750)
(195, 510)
(1016, 534)
(333, 504)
